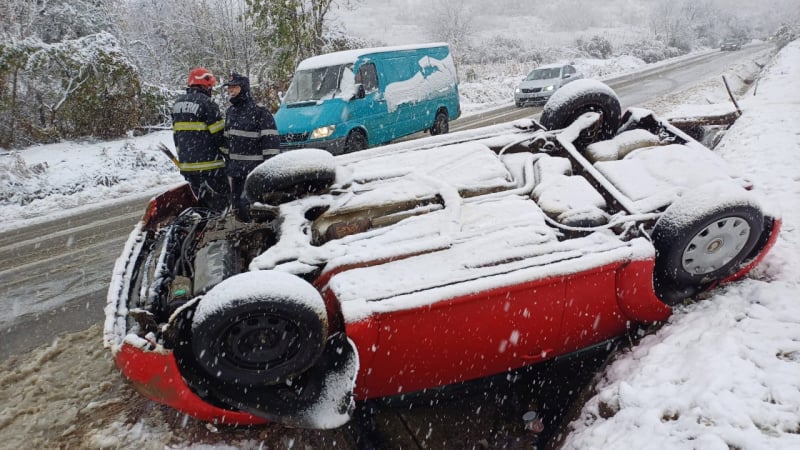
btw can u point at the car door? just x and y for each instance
(467, 337)
(568, 74)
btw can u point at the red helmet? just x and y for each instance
(201, 77)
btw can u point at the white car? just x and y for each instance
(540, 84)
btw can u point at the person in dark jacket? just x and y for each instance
(197, 126)
(251, 137)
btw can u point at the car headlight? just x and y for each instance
(323, 132)
(548, 88)
(517, 91)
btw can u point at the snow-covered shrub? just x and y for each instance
(75, 88)
(155, 105)
(650, 51)
(596, 47)
(785, 34)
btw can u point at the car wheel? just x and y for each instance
(579, 97)
(319, 398)
(291, 175)
(440, 123)
(355, 141)
(259, 328)
(704, 238)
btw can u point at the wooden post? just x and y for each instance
(730, 94)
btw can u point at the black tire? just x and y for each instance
(320, 398)
(259, 328)
(579, 97)
(702, 239)
(291, 175)
(355, 141)
(441, 124)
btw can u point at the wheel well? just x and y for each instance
(761, 243)
(360, 130)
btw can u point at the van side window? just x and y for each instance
(368, 77)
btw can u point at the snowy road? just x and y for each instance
(54, 275)
(633, 89)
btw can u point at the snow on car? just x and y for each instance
(426, 263)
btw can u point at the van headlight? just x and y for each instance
(548, 88)
(323, 132)
(516, 91)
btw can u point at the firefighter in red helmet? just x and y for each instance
(197, 126)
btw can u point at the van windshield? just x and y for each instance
(314, 84)
(544, 74)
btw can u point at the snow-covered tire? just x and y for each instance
(291, 175)
(259, 328)
(579, 97)
(320, 398)
(705, 237)
(441, 124)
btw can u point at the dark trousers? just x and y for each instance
(211, 188)
(239, 201)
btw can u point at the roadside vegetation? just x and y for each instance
(78, 69)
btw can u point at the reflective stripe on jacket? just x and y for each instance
(215, 127)
(198, 166)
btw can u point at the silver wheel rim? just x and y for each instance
(715, 245)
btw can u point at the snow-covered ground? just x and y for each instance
(723, 373)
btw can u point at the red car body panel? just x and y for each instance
(410, 350)
(773, 237)
(156, 376)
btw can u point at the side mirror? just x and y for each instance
(566, 75)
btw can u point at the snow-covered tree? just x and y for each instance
(62, 73)
(292, 30)
(167, 39)
(452, 22)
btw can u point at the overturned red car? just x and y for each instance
(426, 263)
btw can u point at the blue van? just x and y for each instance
(354, 99)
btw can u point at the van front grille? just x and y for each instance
(289, 138)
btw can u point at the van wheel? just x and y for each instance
(356, 141)
(579, 97)
(440, 124)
